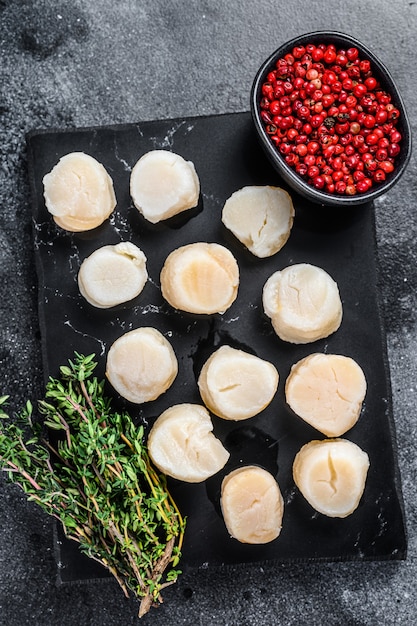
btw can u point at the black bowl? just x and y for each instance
(288, 174)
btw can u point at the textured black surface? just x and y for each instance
(66, 63)
(227, 156)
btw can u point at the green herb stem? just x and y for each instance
(95, 476)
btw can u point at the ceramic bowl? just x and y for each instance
(287, 173)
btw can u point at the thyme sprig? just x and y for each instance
(96, 478)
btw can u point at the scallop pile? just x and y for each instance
(300, 302)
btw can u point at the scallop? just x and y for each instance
(200, 278)
(303, 303)
(260, 217)
(327, 392)
(141, 365)
(163, 184)
(79, 192)
(112, 275)
(252, 505)
(331, 475)
(182, 445)
(237, 385)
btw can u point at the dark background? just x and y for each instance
(72, 64)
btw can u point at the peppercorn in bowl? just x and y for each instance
(331, 119)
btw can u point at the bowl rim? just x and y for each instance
(289, 175)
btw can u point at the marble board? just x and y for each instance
(227, 157)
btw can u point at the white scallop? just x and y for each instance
(79, 192)
(261, 217)
(331, 475)
(236, 385)
(252, 505)
(303, 303)
(327, 391)
(113, 274)
(141, 365)
(163, 184)
(200, 278)
(182, 445)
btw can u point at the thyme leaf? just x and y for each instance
(94, 475)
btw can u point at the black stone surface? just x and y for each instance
(71, 64)
(227, 156)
